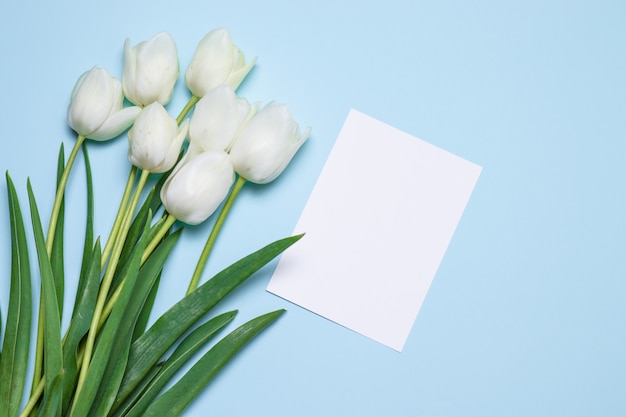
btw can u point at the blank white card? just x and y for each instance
(377, 225)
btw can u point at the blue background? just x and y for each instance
(526, 316)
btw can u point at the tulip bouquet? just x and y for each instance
(108, 361)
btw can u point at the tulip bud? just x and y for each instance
(198, 185)
(155, 139)
(267, 144)
(218, 119)
(216, 61)
(150, 70)
(95, 109)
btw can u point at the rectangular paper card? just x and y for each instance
(377, 225)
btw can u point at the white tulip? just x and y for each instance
(267, 144)
(155, 139)
(150, 70)
(216, 61)
(198, 185)
(218, 119)
(96, 106)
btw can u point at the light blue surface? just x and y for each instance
(526, 316)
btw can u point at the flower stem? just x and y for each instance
(58, 199)
(204, 256)
(107, 280)
(163, 228)
(192, 102)
(120, 215)
(34, 398)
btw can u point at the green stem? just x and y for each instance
(163, 228)
(204, 256)
(58, 199)
(107, 280)
(120, 215)
(192, 102)
(34, 398)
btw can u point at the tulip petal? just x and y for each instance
(128, 72)
(236, 77)
(116, 124)
(174, 150)
(197, 186)
(218, 118)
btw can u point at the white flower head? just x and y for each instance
(218, 118)
(267, 144)
(198, 185)
(155, 139)
(216, 61)
(150, 70)
(96, 106)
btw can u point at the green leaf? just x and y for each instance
(89, 233)
(52, 398)
(176, 399)
(151, 346)
(53, 354)
(137, 393)
(108, 337)
(144, 316)
(156, 203)
(141, 398)
(14, 360)
(84, 308)
(56, 255)
(142, 321)
(144, 281)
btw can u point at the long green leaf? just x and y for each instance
(16, 342)
(151, 346)
(56, 255)
(107, 338)
(116, 366)
(88, 244)
(52, 398)
(176, 399)
(81, 320)
(146, 311)
(156, 202)
(136, 404)
(53, 354)
(136, 394)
